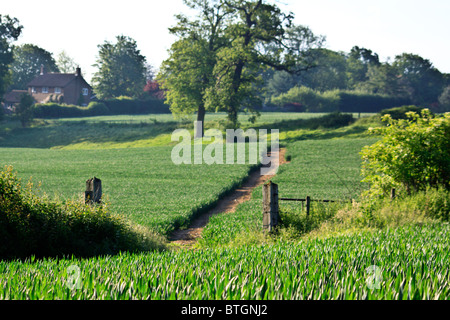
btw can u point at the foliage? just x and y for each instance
(28, 60)
(55, 110)
(401, 112)
(33, 225)
(311, 100)
(412, 155)
(24, 109)
(10, 30)
(420, 80)
(65, 63)
(121, 69)
(154, 89)
(117, 106)
(127, 105)
(444, 100)
(337, 100)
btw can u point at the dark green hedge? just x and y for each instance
(99, 108)
(361, 102)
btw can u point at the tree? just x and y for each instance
(10, 30)
(188, 72)
(28, 61)
(121, 69)
(444, 100)
(24, 109)
(412, 155)
(382, 79)
(358, 62)
(259, 34)
(421, 81)
(65, 63)
(329, 73)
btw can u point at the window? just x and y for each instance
(44, 89)
(33, 90)
(57, 90)
(85, 91)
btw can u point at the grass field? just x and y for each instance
(131, 156)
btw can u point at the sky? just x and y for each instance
(387, 27)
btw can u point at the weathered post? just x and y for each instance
(93, 193)
(392, 193)
(270, 206)
(308, 205)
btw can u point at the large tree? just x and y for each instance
(187, 73)
(421, 81)
(10, 30)
(121, 69)
(28, 60)
(259, 35)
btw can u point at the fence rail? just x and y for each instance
(271, 209)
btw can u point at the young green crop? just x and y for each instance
(408, 263)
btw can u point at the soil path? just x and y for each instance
(188, 237)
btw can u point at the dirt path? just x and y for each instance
(188, 237)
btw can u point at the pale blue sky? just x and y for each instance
(387, 27)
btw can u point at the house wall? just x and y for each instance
(73, 92)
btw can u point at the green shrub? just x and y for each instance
(96, 108)
(401, 112)
(39, 226)
(412, 155)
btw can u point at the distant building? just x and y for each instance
(68, 88)
(11, 99)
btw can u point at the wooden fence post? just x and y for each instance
(392, 193)
(308, 205)
(93, 193)
(270, 206)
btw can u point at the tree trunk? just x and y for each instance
(199, 133)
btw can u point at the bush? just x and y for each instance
(32, 225)
(413, 154)
(353, 101)
(401, 112)
(126, 105)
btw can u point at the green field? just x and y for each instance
(234, 259)
(413, 263)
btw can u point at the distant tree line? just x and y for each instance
(237, 55)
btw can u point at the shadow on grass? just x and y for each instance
(48, 134)
(54, 133)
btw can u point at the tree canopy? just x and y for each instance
(10, 30)
(28, 60)
(216, 63)
(121, 69)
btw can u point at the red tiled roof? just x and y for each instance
(52, 80)
(14, 95)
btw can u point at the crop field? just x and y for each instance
(408, 263)
(321, 169)
(141, 183)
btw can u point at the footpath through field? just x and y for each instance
(187, 238)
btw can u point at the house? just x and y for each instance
(68, 88)
(11, 99)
